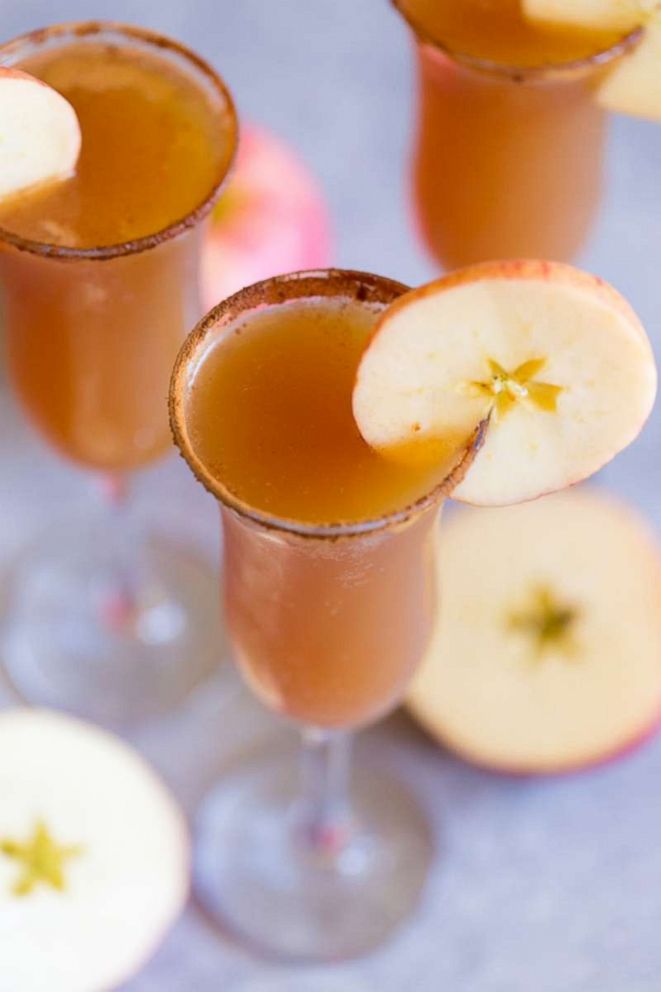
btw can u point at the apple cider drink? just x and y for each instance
(124, 138)
(510, 136)
(93, 319)
(327, 630)
(331, 413)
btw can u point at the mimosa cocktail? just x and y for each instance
(329, 585)
(509, 147)
(269, 416)
(313, 406)
(91, 345)
(99, 276)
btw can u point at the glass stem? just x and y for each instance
(114, 490)
(325, 817)
(118, 606)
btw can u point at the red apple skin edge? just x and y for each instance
(272, 218)
(621, 750)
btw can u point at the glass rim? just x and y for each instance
(363, 287)
(521, 73)
(159, 42)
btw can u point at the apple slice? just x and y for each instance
(632, 84)
(595, 15)
(94, 856)
(555, 357)
(39, 133)
(547, 656)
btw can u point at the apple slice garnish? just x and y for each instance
(591, 15)
(39, 133)
(556, 358)
(632, 84)
(547, 655)
(94, 856)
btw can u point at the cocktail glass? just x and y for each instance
(327, 623)
(104, 619)
(508, 161)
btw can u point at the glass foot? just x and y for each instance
(257, 877)
(114, 631)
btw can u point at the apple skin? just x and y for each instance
(272, 218)
(621, 750)
(524, 268)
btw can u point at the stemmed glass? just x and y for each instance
(327, 623)
(507, 160)
(103, 618)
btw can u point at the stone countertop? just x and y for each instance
(551, 886)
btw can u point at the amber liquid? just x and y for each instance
(91, 342)
(327, 631)
(505, 164)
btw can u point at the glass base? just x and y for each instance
(112, 629)
(258, 879)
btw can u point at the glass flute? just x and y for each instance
(507, 161)
(327, 623)
(103, 618)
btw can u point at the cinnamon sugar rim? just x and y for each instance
(341, 284)
(31, 42)
(522, 73)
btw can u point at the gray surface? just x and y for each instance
(551, 886)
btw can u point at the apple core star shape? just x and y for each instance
(41, 860)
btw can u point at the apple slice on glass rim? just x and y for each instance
(555, 357)
(547, 654)
(632, 84)
(39, 133)
(595, 15)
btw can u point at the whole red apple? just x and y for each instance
(272, 218)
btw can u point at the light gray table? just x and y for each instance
(540, 886)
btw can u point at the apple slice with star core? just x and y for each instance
(555, 357)
(94, 856)
(547, 654)
(39, 133)
(631, 84)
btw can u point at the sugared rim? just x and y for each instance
(519, 73)
(342, 284)
(13, 50)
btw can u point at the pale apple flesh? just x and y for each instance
(39, 134)
(94, 856)
(547, 655)
(596, 15)
(554, 356)
(631, 84)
